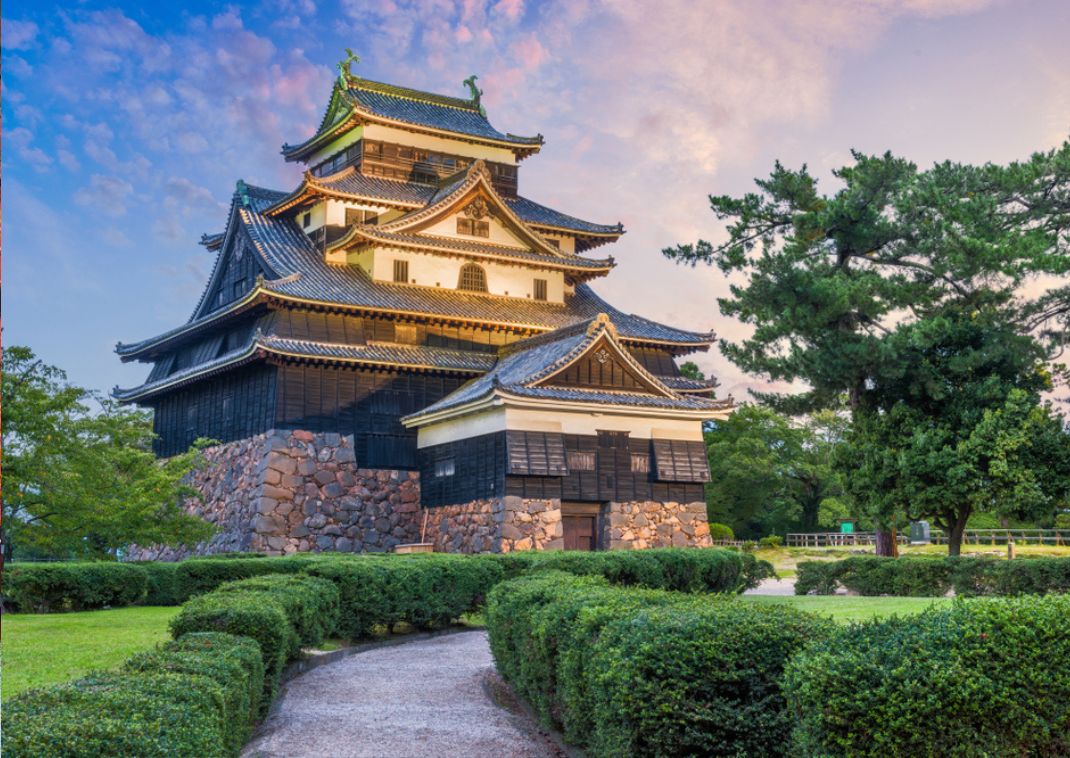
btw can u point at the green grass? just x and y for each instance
(49, 648)
(852, 608)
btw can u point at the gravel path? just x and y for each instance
(425, 698)
(773, 587)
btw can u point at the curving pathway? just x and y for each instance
(429, 697)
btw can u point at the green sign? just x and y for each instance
(847, 527)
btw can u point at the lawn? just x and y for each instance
(852, 608)
(49, 648)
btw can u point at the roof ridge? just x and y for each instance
(411, 93)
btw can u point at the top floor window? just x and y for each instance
(473, 227)
(473, 278)
(540, 289)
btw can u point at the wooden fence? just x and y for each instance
(981, 537)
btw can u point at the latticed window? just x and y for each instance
(473, 227)
(580, 461)
(473, 278)
(640, 463)
(401, 271)
(445, 467)
(540, 289)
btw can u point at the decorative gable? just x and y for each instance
(603, 366)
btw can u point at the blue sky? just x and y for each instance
(127, 124)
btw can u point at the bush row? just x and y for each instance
(194, 697)
(281, 612)
(934, 577)
(985, 677)
(83, 586)
(647, 672)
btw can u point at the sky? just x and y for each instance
(127, 124)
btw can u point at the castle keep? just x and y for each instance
(404, 348)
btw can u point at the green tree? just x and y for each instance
(823, 280)
(960, 427)
(80, 477)
(770, 475)
(690, 370)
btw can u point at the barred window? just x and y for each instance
(473, 278)
(580, 461)
(640, 463)
(306, 221)
(444, 467)
(540, 289)
(360, 216)
(472, 227)
(401, 271)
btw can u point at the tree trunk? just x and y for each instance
(885, 539)
(954, 536)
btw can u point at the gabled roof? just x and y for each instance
(528, 368)
(355, 101)
(475, 182)
(301, 275)
(349, 184)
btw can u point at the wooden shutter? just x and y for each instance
(681, 461)
(536, 453)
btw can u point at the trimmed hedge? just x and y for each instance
(311, 604)
(935, 576)
(426, 591)
(647, 672)
(197, 576)
(984, 677)
(142, 714)
(234, 663)
(162, 583)
(51, 587)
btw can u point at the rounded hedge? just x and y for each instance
(984, 677)
(51, 587)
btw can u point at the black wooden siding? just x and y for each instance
(228, 407)
(483, 466)
(237, 278)
(366, 404)
(600, 368)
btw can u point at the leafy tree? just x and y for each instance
(691, 370)
(824, 279)
(960, 429)
(770, 475)
(81, 481)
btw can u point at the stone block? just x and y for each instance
(318, 521)
(299, 531)
(345, 455)
(277, 493)
(334, 489)
(325, 543)
(334, 530)
(266, 525)
(272, 476)
(266, 505)
(511, 532)
(344, 545)
(324, 477)
(281, 462)
(302, 435)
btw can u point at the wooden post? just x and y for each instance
(1010, 550)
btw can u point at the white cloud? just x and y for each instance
(107, 194)
(19, 35)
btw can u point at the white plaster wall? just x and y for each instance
(528, 420)
(336, 145)
(444, 272)
(438, 144)
(499, 233)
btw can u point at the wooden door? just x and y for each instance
(579, 531)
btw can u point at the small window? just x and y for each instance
(640, 463)
(359, 216)
(540, 289)
(579, 461)
(472, 227)
(473, 278)
(239, 288)
(553, 242)
(306, 221)
(444, 467)
(401, 272)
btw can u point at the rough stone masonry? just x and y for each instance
(285, 492)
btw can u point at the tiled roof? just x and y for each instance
(683, 384)
(391, 103)
(374, 354)
(523, 365)
(302, 273)
(539, 215)
(478, 250)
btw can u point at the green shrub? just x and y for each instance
(754, 571)
(50, 587)
(311, 604)
(934, 576)
(231, 662)
(981, 678)
(773, 541)
(426, 591)
(162, 583)
(255, 615)
(627, 671)
(147, 715)
(721, 532)
(701, 679)
(197, 576)
(680, 569)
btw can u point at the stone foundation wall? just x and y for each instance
(294, 491)
(641, 524)
(285, 492)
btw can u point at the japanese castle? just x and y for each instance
(422, 343)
